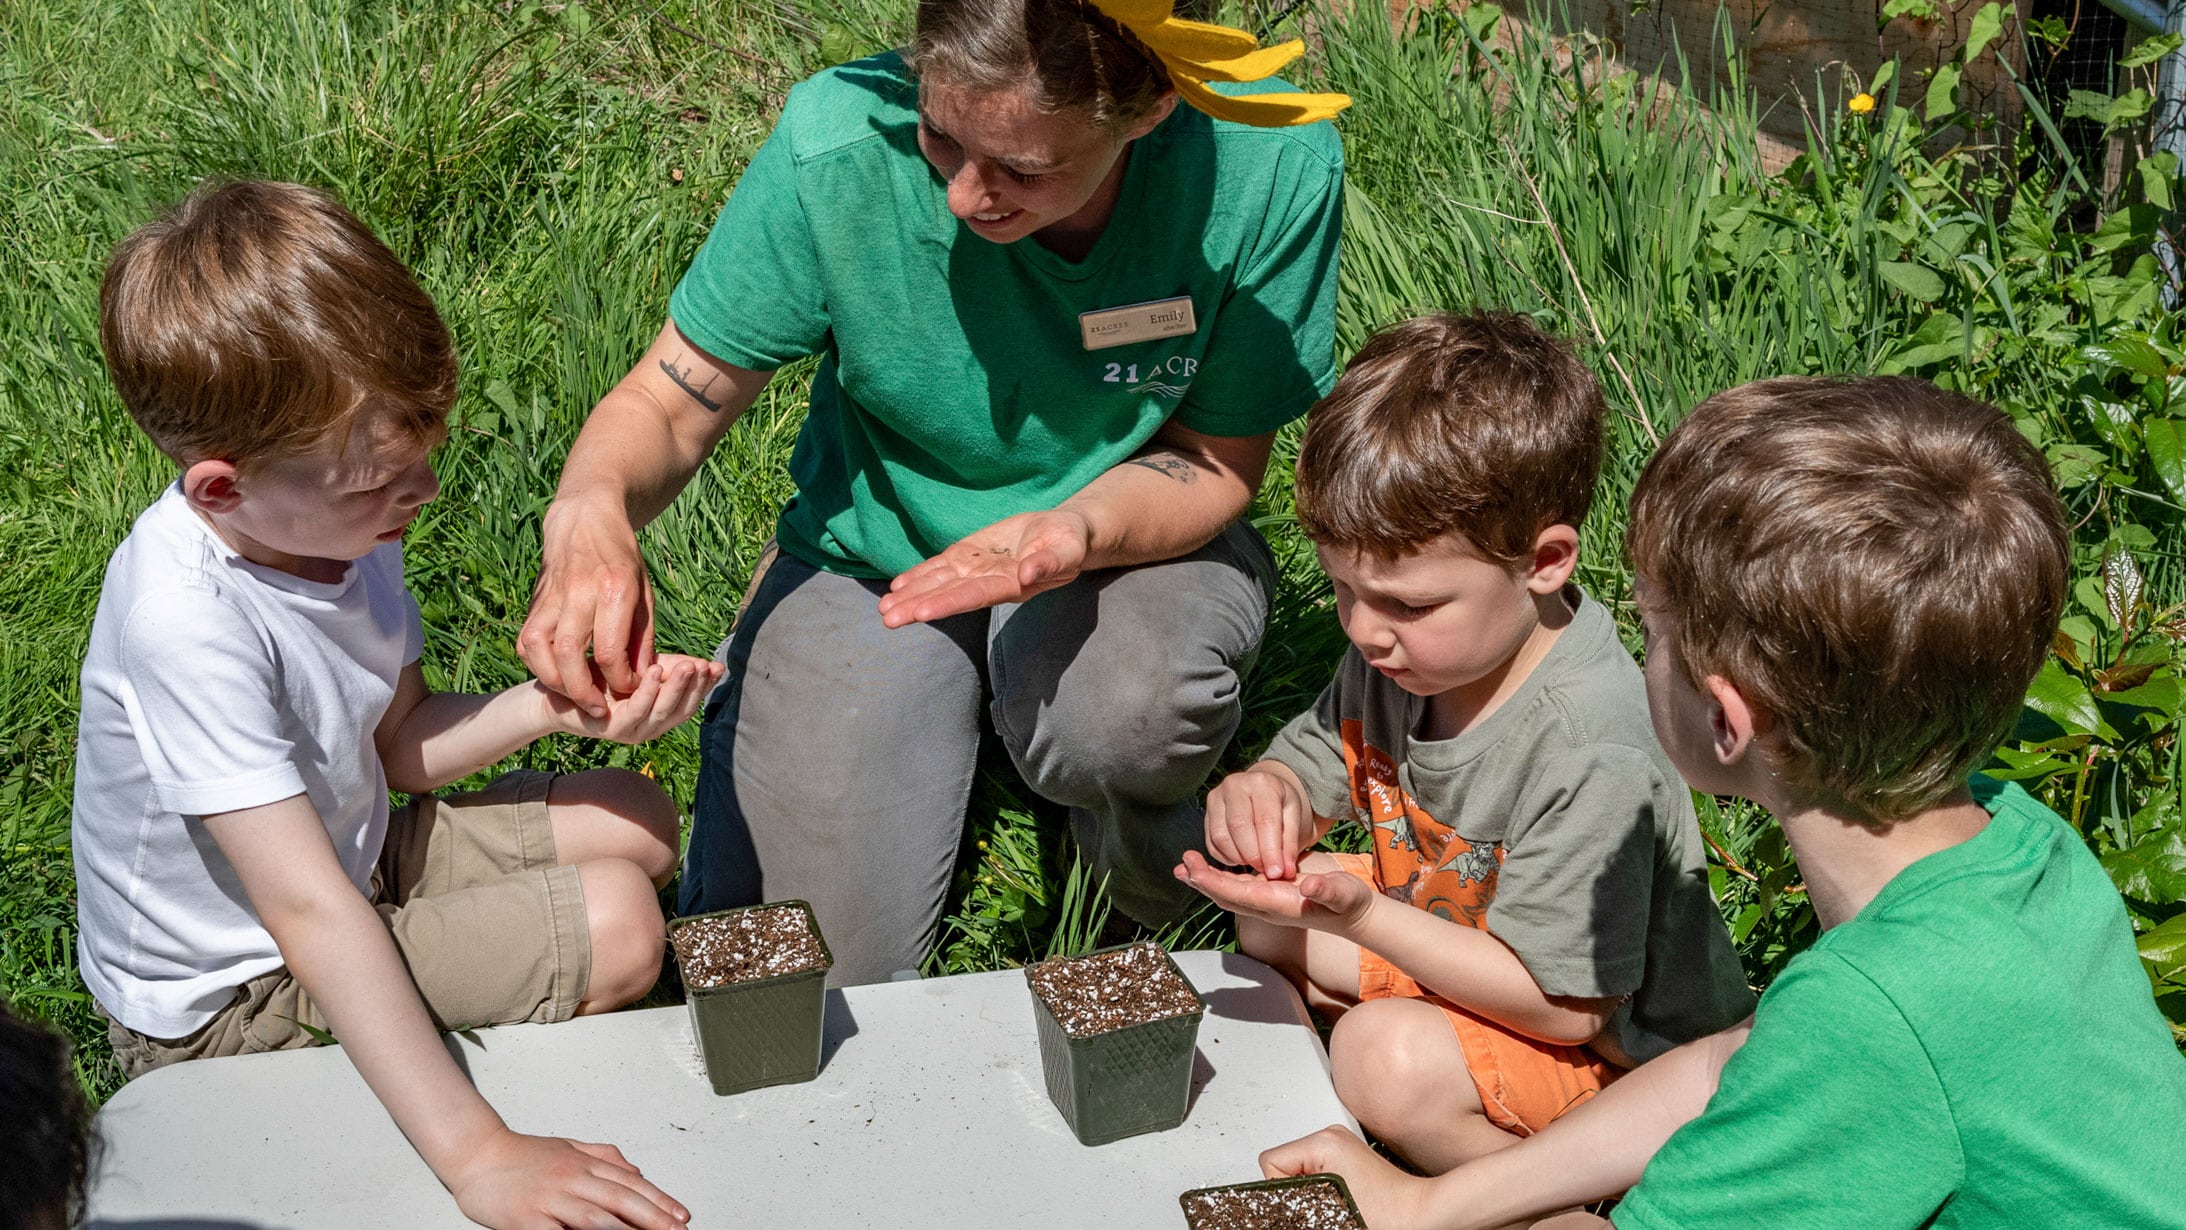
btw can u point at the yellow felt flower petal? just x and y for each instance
(1136, 13)
(1212, 58)
(1260, 110)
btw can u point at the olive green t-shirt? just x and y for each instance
(1557, 823)
(956, 387)
(1978, 1047)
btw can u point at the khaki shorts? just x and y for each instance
(1524, 1084)
(492, 929)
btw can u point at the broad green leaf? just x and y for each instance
(2088, 592)
(2086, 105)
(2165, 440)
(1919, 281)
(1480, 20)
(2134, 224)
(2149, 50)
(1918, 10)
(2064, 700)
(2126, 108)
(2135, 355)
(2073, 465)
(2153, 871)
(1883, 77)
(2165, 946)
(1986, 25)
(1943, 92)
(2163, 693)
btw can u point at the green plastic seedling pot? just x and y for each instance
(1123, 1082)
(1265, 1185)
(763, 1032)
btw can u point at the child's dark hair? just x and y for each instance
(45, 1128)
(255, 319)
(1479, 425)
(1878, 563)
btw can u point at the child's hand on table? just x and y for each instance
(1258, 818)
(519, 1182)
(1388, 1198)
(669, 691)
(1327, 901)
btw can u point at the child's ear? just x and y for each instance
(1735, 724)
(211, 486)
(1152, 119)
(1555, 557)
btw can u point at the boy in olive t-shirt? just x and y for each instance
(1847, 588)
(1491, 731)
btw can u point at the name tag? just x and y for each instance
(1140, 322)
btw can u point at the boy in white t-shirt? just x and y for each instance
(252, 691)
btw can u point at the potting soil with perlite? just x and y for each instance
(1110, 990)
(746, 946)
(1305, 1206)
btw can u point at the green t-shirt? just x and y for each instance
(956, 388)
(1557, 823)
(1976, 1048)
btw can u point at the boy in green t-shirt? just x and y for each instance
(1847, 587)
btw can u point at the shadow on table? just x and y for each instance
(1269, 1000)
(1202, 1076)
(172, 1223)
(836, 1026)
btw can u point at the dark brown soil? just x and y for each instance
(746, 946)
(1105, 991)
(1305, 1206)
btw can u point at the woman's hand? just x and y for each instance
(1388, 1198)
(592, 593)
(1009, 561)
(1325, 901)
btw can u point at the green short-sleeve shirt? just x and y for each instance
(1978, 1047)
(956, 388)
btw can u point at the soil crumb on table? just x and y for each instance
(1304, 1206)
(747, 946)
(1111, 990)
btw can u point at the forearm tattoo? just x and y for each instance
(682, 378)
(1169, 464)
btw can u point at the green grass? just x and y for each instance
(550, 171)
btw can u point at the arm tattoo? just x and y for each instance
(1169, 464)
(698, 392)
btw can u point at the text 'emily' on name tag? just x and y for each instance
(1120, 326)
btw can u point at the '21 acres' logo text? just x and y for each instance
(1163, 378)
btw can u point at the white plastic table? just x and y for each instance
(929, 1111)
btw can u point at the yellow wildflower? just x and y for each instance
(1861, 104)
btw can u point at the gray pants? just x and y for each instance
(837, 755)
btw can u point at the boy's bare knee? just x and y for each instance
(628, 933)
(1394, 1061)
(616, 814)
(1282, 947)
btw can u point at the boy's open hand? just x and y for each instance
(1331, 902)
(669, 691)
(518, 1182)
(1388, 1199)
(1257, 818)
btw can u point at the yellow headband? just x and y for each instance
(1196, 53)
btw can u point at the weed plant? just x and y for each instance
(549, 171)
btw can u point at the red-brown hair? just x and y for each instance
(255, 319)
(1877, 563)
(1479, 425)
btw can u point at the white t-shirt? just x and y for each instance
(214, 684)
